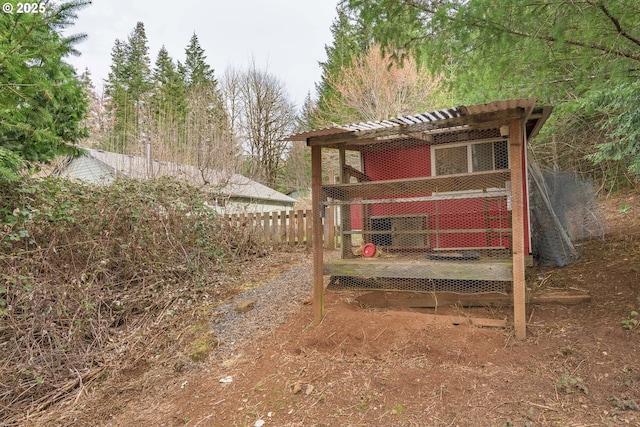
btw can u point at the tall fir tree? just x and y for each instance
(117, 99)
(307, 119)
(128, 87)
(168, 102)
(138, 64)
(168, 87)
(207, 124)
(42, 102)
(350, 40)
(195, 71)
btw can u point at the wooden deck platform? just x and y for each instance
(419, 267)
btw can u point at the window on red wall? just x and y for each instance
(469, 157)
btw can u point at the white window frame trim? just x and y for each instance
(494, 191)
(434, 147)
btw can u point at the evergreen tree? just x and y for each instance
(195, 71)
(169, 88)
(207, 128)
(350, 40)
(128, 87)
(42, 103)
(306, 120)
(137, 65)
(581, 57)
(168, 103)
(118, 106)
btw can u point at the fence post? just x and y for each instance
(309, 227)
(300, 220)
(264, 220)
(283, 227)
(292, 227)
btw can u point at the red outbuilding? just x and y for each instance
(438, 202)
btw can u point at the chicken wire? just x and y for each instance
(427, 213)
(564, 212)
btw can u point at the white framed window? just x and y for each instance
(468, 157)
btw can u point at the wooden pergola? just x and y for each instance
(518, 121)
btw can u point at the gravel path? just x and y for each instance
(274, 302)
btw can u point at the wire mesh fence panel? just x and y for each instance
(564, 213)
(424, 213)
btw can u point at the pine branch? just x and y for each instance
(485, 23)
(616, 23)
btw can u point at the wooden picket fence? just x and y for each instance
(281, 227)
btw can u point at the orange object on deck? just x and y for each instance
(369, 250)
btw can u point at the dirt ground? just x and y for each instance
(579, 366)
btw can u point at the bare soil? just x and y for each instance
(393, 367)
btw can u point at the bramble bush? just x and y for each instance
(81, 265)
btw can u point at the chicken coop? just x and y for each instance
(433, 202)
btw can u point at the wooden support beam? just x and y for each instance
(316, 199)
(411, 186)
(329, 221)
(409, 268)
(516, 160)
(345, 211)
(382, 299)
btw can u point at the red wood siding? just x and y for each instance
(444, 215)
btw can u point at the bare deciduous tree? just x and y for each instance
(230, 92)
(263, 116)
(375, 88)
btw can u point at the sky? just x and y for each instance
(287, 38)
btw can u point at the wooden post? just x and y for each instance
(329, 230)
(330, 215)
(308, 214)
(345, 210)
(283, 227)
(300, 218)
(292, 227)
(266, 226)
(316, 198)
(517, 219)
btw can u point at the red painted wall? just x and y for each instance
(415, 162)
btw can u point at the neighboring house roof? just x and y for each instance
(86, 168)
(104, 166)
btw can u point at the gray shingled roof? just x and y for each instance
(227, 183)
